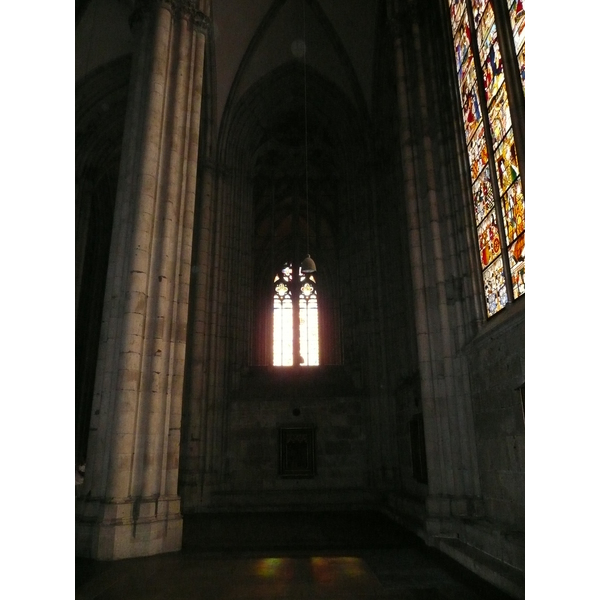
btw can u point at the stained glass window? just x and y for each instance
(295, 317)
(497, 189)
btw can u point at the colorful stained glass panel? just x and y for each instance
(507, 167)
(495, 287)
(471, 113)
(489, 239)
(483, 195)
(521, 59)
(457, 11)
(516, 256)
(479, 7)
(466, 75)
(491, 64)
(485, 24)
(513, 208)
(462, 42)
(478, 155)
(500, 121)
(517, 20)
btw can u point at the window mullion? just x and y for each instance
(513, 82)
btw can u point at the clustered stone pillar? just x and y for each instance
(453, 487)
(128, 505)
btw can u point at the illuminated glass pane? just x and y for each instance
(471, 113)
(467, 77)
(491, 63)
(479, 7)
(284, 320)
(462, 41)
(483, 17)
(486, 203)
(513, 208)
(309, 330)
(516, 9)
(517, 20)
(483, 196)
(283, 331)
(478, 153)
(521, 59)
(489, 239)
(495, 287)
(281, 289)
(500, 121)
(457, 13)
(507, 168)
(516, 256)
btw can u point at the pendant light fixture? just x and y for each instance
(308, 264)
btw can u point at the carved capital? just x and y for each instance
(187, 9)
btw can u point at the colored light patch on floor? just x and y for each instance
(273, 568)
(332, 569)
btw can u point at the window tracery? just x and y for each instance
(295, 318)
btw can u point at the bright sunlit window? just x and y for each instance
(295, 319)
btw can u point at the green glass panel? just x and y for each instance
(489, 239)
(495, 287)
(507, 167)
(513, 208)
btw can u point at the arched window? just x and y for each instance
(295, 319)
(497, 184)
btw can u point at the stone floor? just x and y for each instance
(308, 556)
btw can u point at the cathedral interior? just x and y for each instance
(300, 282)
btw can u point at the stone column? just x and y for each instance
(129, 505)
(448, 422)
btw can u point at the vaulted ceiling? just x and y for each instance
(303, 111)
(252, 39)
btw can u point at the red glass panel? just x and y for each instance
(489, 239)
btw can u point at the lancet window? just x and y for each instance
(295, 318)
(498, 194)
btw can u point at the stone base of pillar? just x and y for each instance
(127, 528)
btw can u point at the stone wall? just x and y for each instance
(497, 367)
(271, 398)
